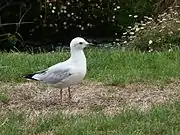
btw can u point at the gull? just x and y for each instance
(67, 73)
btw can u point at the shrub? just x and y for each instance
(57, 20)
(155, 34)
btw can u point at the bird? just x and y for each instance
(66, 73)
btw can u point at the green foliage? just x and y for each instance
(155, 34)
(57, 20)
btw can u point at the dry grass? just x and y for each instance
(35, 99)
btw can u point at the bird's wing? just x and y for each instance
(54, 76)
(51, 75)
(30, 76)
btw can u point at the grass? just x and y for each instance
(160, 120)
(4, 98)
(111, 67)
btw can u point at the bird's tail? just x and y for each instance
(30, 76)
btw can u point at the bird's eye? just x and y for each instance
(80, 43)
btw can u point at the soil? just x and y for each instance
(36, 99)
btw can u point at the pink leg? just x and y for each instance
(69, 94)
(61, 95)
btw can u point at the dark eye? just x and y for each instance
(80, 43)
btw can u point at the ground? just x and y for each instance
(138, 93)
(35, 99)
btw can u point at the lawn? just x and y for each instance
(141, 90)
(161, 120)
(110, 67)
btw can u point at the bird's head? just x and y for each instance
(79, 43)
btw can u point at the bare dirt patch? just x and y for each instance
(35, 99)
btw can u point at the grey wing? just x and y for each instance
(56, 77)
(53, 77)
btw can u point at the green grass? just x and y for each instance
(111, 67)
(160, 120)
(4, 98)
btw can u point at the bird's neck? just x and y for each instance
(78, 56)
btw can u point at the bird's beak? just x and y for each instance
(91, 44)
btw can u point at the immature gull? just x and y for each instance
(67, 73)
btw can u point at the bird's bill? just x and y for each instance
(90, 44)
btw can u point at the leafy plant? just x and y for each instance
(57, 20)
(155, 34)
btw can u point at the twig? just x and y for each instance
(6, 34)
(7, 4)
(18, 24)
(19, 35)
(3, 39)
(6, 24)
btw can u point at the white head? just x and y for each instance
(79, 43)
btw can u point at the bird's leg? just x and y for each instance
(69, 94)
(61, 95)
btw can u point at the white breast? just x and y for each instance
(78, 72)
